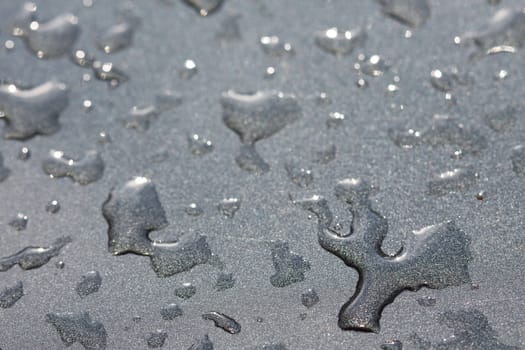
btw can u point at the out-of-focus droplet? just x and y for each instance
(502, 74)
(229, 206)
(171, 312)
(335, 119)
(186, 291)
(339, 41)
(109, 73)
(309, 298)
(456, 180)
(375, 66)
(300, 176)
(119, 36)
(411, 12)
(269, 72)
(53, 206)
(19, 222)
(24, 153)
(9, 45)
(140, 118)
(199, 145)
(224, 281)
(361, 83)
(272, 45)
(87, 105)
(502, 120)
(204, 7)
(188, 70)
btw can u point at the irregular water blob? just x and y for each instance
(229, 206)
(435, 257)
(326, 155)
(119, 36)
(193, 209)
(28, 112)
(199, 145)
(108, 72)
(410, 12)
(203, 343)
(132, 211)
(89, 284)
(309, 298)
(19, 222)
(188, 70)
(24, 153)
(4, 171)
(140, 118)
(289, 267)
(171, 312)
(220, 320)
(224, 281)
(300, 176)
(426, 301)
(204, 7)
(392, 345)
(471, 330)
(33, 257)
(444, 131)
(335, 119)
(502, 120)
(272, 45)
(254, 117)
(456, 180)
(518, 159)
(84, 171)
(10, 295)
(50, 39)
(156, 339)
(339, 41)
(73, 328)
(186, 291)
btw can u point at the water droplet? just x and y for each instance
(156, 339)
(204, 7)
(19, 222)
(254, 117)
(335, 119)
(471, 330)
(73, 328)
(289, 267)
(445, 80)
(322, 99)
(392, 345)
(303, 316)
(82, 58)
(300, 176)
(140, 118)
(457, 180)
(361, 83)
(136, 319)
(199, 145)
(9, 45)
(338, 41)
(518, 159)
(426, 301)
(87, 3)
(392, 88)
(375, 66)
(269, 72)
(408, 34)
(502, 120)
(224, 281)
(410, 12)
(309, 298)
(24, 153)
(60, 264)
(202, 343)
(193, 210)
(435, 257)
(325, 156)
(259, 320)
(109, 73)
(171, 312)
(272, 45)
(83, 171)
(132, 211)
(53, 207)
(119, 36)
(480, 195)
(89, 284)
(186, 291)
(50, 39)
(87, 105)
(33, 257)
(220, 320)
(10, 295)
(229, 206)
(103, 137)
(502, 74)
(32, 111)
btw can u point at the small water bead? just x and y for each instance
(446, 80)
(375, 66)
(408, 34)
(89, 284)
(186, 291)
(19, 222)
(392, 88)
(338, 41)
(28, 112)
(188, 70)
(289, 267)
(60, 265)
(392, 345)
(410, 12)
(199, 145)
(9, 45)
(223, 321)
(502, 74)
(203, 343)
(426, 301)
(156, 339)
(224, 281)
(53, 206)
(82, 58)
(335, 119)
(87, 105)
(309, 298)
(229, 206)
(272, 45)
(103, 137)
(10, 295)
(300, 176)
(518, 159)
(269, 73)
(322, 99)
(136, 319)
(480, 195)
(140, 118)
(303, 316)
(361, 83)
(326, 155)
(456, 180)
(79, 327)
(204, 7)
(502, 120)
(83, 171)
(193, 210)
(109, 73)
(24, 153)
(171, 312)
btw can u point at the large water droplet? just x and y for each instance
(10, 295)
(156, 339)
(204, 7)
(456, 180)
(223, 321)
(339, 41)
(411, 12)
(255, 117)
(89, 284)
(83, 171)
(33, 257)
(73, 328)
(32, 111)
(289, 267)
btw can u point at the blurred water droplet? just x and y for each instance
(309, 298)
(136, 319)
(103, 137)
(408, 34)
(220, 320)
(445, 80)
(186, 291)
(502, 120)
(87, 105)
(518, 159)
(82, 58)
(156, 339)
(83, 171)
(502, 74)
(224, 281)
(457, 180)
(188, 70)
(171, 312)
(9, 45)
(193, 209)
(335, 119)
(10, 295)
(322, 99)
(300, 176)
(272, 45)
(87, 3)
(392, 345)
(19, 222)
(89, 284)
(140, 118)
(24, 153)
(4, 171)
(392, 88)
(60, 264)
(480, 195)
(339, 41)
(202, 343)
(326, 155)
(361, 83)
(426, 301)
(269, 73)
(199, 145)
(119, 36)
(229, 206)
(109, 73)
(375, 66)
(289, 267)
(73, 328)
(271, 347)
(204, 7)
(28, 112)
(411, 12)
(230, 29)
(53, 207)
(167, 99)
